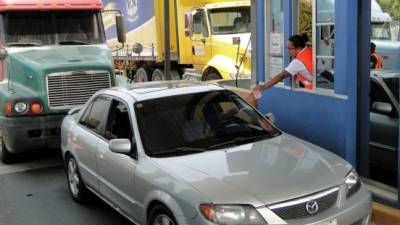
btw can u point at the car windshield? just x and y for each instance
(380, 31)
(230, 20)
(191, 123)
(24, 29)
(393, 84)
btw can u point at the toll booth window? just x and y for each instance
(200, 23)
(274, 38)
(230, 20)
(324, 43)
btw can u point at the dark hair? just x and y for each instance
(373, 47)
(299, 41)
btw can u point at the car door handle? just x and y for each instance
(203, 40)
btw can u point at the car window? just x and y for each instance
(199, 120)
(97, 118)
(119, 124)
(393, 84)
(86, 114)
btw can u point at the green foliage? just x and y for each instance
(392, 7)
(305, 18)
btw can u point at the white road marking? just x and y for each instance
(7, 169)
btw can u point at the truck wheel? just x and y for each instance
(6, 156)
(158, 75)
(142, 75)
(76, 185)
(161, 215)
(212, 76)
(175, 75)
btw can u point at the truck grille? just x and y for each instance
(295, 209)
(68, 89)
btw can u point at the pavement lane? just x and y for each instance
(36, 193)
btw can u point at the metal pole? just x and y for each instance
(167, 52)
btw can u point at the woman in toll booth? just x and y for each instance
(300, 67)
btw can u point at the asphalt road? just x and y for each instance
(34, 192)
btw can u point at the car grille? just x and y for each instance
(68, 89)
(296, 208)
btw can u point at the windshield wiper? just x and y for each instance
(179, 150)
(73, 42)
(23, 44)
(237, 141)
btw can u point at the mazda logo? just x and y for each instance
(312, 207)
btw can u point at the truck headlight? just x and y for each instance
(353, 183)
(231, 214)
(20, 107)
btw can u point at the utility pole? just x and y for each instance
(167, 52)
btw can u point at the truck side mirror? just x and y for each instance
(119, 21)
(188, 24)
(3, 53)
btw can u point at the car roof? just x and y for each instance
(151, 90)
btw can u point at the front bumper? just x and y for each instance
(22, 134)
(353, 211)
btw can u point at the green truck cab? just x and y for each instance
(49, 62)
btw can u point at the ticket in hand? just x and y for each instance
(254, 90)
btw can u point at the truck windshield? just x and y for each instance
(230, 20)
(198, 122)
(24, 29)
(380, 31)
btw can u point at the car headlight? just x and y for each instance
(353, 183)
(231, 214)
(20, 107)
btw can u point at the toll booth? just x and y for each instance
(335, 114)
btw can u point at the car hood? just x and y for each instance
(47, 57)
(260, 173)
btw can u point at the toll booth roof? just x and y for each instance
(36, 5)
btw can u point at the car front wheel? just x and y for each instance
(160, 215)
(6, 156)
(75, 183)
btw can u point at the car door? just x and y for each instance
(117, 171)
(201, 40)
(86, 135)
(383, 128)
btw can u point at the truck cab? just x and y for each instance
(53, 57)
(220, 39)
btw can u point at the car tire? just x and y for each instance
(161, 215)
(212, 76)
(142, 75)
(158, 75)
(76, 186)
(6, 156)
(175, 75)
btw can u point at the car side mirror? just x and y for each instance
(382, 107)
(121, 35)
(122, 146)
(271, 117)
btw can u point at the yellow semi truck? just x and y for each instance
(210, 39)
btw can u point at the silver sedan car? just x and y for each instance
(176, 153)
